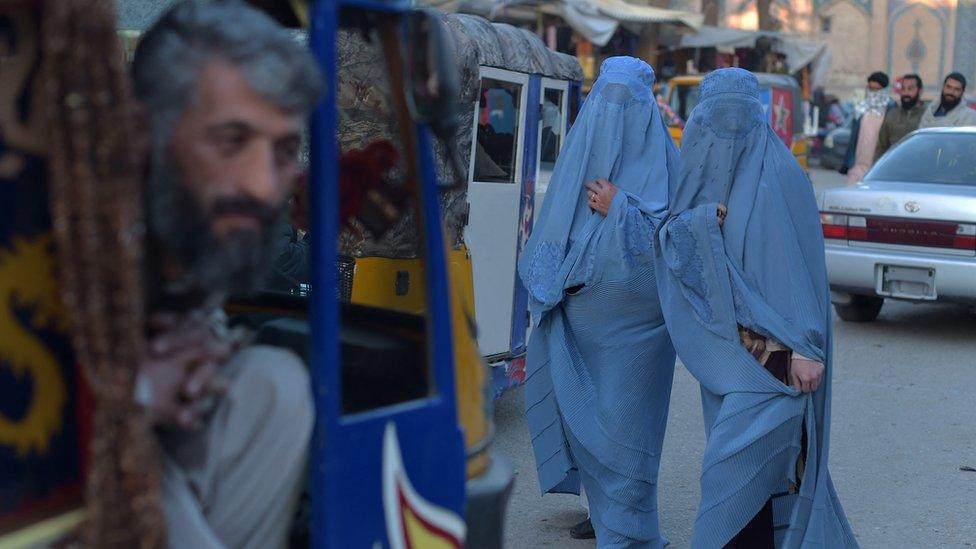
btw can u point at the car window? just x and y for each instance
(940, 158)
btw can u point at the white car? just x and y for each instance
(908, 230)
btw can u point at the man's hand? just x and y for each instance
(806, 375)
(180, 371)
(720, 213)
(601, 193)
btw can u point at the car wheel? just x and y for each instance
(861, 308)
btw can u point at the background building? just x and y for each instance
(929, 37)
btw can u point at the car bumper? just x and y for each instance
(854, 270)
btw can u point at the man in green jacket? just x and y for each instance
(904, 120)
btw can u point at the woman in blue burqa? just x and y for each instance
(747, 305)
(600, 363)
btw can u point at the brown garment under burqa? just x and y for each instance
(759, 532)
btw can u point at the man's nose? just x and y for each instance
(260, 179)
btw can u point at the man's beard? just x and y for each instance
(909, 102)
(236, 264)
(949, 102)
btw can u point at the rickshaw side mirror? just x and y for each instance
(434, 83)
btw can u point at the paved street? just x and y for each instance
(904, 422)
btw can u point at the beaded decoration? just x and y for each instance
(97, 218)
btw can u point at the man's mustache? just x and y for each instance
(244, 206)
(950, 99)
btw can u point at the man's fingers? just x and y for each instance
(190, 333)
(186, 358)
(199, 380)
(189, 418)
(163, 321)
(795, 382)
(218, 349)
(592, 185)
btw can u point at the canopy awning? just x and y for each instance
(595, 20)
(799, 52)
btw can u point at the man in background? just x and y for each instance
(901, 121)
(864, 137)
(950, 111)
(877, 82)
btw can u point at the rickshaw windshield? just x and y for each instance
(384, 318)
(684, 99)
(384, 310)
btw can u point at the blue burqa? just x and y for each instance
(763, 270)
(600, 362)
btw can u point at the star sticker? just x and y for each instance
(780, 114)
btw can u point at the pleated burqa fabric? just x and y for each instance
(600, 362)
(764, 270)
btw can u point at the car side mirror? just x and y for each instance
(434, 83)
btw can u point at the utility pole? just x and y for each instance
(767, 21)
(710, 9)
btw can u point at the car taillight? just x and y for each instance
(965, 237)
(834, 225)
(857, 227)
(843, 226)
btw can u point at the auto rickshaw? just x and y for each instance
(518, 100)
(781, 97)
(401, 450)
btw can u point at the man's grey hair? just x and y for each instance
(172, 53)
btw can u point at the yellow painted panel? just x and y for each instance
(688, 80)
(675, 135)
(375, 284)
(800, 149)
(470, 370)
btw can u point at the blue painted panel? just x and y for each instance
(766, 97)
(379, 5)
(530, 163)
(323, 308)
(348, 461)
(575, 103)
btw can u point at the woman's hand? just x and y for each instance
(720, 212)
(601, 193)
(806, 375)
